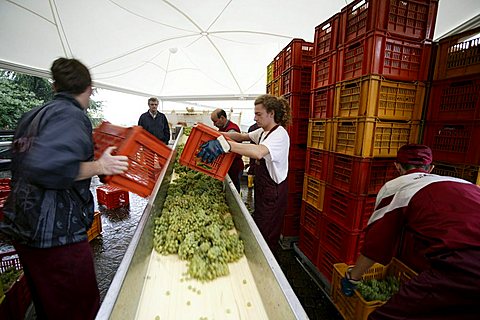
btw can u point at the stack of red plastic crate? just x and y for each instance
(453, 119)
(371, 62)
(289, 75)
(452, 128)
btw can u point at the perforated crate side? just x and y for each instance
(455, 99)
(112, 197)
(146, 157)
(317, 164)
(313, 192)
(322, 102)
(374, 96)
(396, 59)
(324, 70)
(298, 131)
(454, 141)
(308, 244)
(457, 57)
(326, 35)
(291, 225)
(298, 53)
(310, 218)
(462, 171)
(297, 156)
(371, 137)
(319, 134)
(297, 80)
(278, 65)
(107, 134)
(299, 104)
(200, 134)
(411, 19)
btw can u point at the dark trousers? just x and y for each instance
(61, 280)
(450, 289)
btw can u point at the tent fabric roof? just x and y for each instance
(173, 49)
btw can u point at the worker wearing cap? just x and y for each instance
(219, 119)
(445, 213)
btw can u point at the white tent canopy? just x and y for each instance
(178, 50)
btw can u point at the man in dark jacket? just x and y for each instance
(155, 122)
(50, 207)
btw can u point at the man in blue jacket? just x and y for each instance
(155, 122)
(50, 207)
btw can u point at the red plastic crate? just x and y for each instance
(294, 203)
(297, 156)
(454, 141)
(413, 19)
(322, 102)
(297, 80)
(378, 53)
(361, 176)
(278, 65)
(325, 262)
(326, 35)
(348, 210)
(455, 99)
(299, 104)
(298, 53)
(310, 219)
(462, 171)
(200, 134)
(308, 244)
(295, 181)
(146, 156)
(291, 225)
(298, 131)
(112, 197)
(4, 192)
(324, 70)
(317, 164)
(342, 243)
(458, 55)
(373, 96)
(17, 297)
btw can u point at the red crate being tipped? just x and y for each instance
(200, 134)
(112, 197)
(146, 156)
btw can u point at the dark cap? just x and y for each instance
(415, 154)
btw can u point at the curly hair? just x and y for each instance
(279, 106)
(70, 75)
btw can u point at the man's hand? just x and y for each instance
(348, 284)
(110, 165)
(211, 150)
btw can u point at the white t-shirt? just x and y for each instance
(278, 144)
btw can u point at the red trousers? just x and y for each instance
(62, 281)
(450, 289)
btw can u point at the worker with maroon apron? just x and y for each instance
(270, 149)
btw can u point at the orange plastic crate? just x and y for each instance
(319, 134)
(146, 154)
(112, 197)
(313, 192)
(298, 53)
(355, 307)
(96, 228)
(200, 134)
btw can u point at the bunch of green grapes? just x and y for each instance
(196, 224)
(382, 289)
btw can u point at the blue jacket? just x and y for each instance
(158, 126)
(47, 207)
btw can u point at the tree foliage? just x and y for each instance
(20, 92)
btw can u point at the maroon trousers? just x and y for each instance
(270, 204)
(61, 280)
(450, 289)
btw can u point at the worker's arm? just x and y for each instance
(108, 164)
(236, 136)
(249, 150)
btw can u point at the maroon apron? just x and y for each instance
(270, 203)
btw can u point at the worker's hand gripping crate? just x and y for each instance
(200, 134)
(356, 307)
(146, 156)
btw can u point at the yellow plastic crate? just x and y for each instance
(373, 96)
(277, 87)
(355, 307)
(370, 137)
(313, 192)
(319, 134)
(96, 228)
(270, 72)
